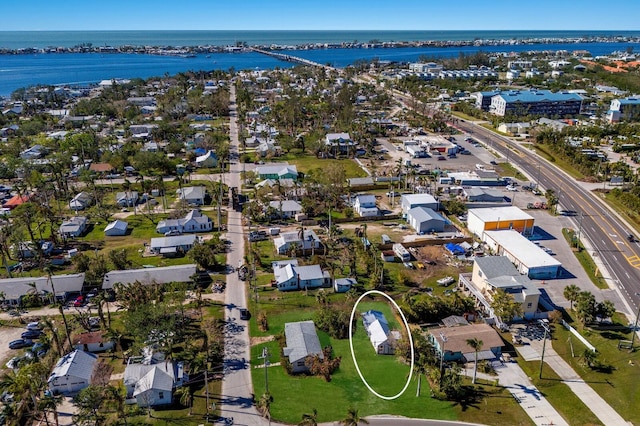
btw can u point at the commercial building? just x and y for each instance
(535, 102)
(627, 109)
(528, 258)
(497, 218)
(494, 273)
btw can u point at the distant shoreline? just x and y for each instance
(241, 46)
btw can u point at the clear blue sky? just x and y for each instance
(319, 15)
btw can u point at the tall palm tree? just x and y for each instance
(60, 306)
(49, 404)
(49, 328)
(309, 419)
(353, 418)
(571, 293)
(476, 344)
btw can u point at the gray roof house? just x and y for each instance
(15, 288)
(161, 275)
(72, 373)
(127, 198)
(81, 201)
(289, 208)
(365, 205)
(194, 221)
(192, 195)
(424, 220)
(409, 201)
(116, 228)
(73, 227)
(284, 241)
(171, 246)
(290, 276)
(152, 384)
(302, 341)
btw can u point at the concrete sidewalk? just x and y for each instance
(600, 408)
(512, 377)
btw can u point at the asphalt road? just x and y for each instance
(605, 231)
(237, 399)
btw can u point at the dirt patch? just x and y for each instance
(260, 340)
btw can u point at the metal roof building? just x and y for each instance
(302, 341)
(527, 257)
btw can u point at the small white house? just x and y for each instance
(151, 384)
(73, 227)
(342, 285)
(72, 373)
(193, 222)
(288, 208)
(93, 341)
(365, 205)
(377, 328)
(116, 228)
(81, 201)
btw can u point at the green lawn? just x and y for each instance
(586, 261)
(295, 395)
(306, 163)
(619, 387)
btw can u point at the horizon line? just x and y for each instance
(336, 30)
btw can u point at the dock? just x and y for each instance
(293, 59)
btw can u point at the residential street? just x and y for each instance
(237, 399)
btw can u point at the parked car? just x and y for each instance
(244, 314)
(442, 158)
(20, 343)
(631, 238)
(34, 326)
(14, 363)
(79, 301)
(172, 233)
(31, 334)
(39, 349)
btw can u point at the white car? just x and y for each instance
(34, 326)
(512, 188)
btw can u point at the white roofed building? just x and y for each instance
(410, 201)
(527, 257)
(301, 341)
(72, 373)
(499, 218)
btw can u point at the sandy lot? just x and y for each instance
(8, 334)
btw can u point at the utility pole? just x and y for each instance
(444, 340)
(265, 356)
(544, 325)
(635, 326)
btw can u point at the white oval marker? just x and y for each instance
(353, 355)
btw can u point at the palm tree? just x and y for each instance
(59, 305)
(50, 329)
(309, 419)
(571, 293)
(353, 418)
(476, 344)
(185, 395)
(49, 404)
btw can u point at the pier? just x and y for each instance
(294, 59)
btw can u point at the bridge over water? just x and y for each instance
(294, 59)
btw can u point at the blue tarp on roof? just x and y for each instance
(454, 248)
(200, 151)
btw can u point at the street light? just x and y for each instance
(545, 325)
(635, 326)
(265, 356)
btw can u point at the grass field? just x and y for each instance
(309, 162)
(295, 395)
(617, 384)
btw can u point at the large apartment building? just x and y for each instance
(535, 102)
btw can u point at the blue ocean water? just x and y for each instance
(40, 39)
(18, 71)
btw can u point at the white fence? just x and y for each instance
(579, 336)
